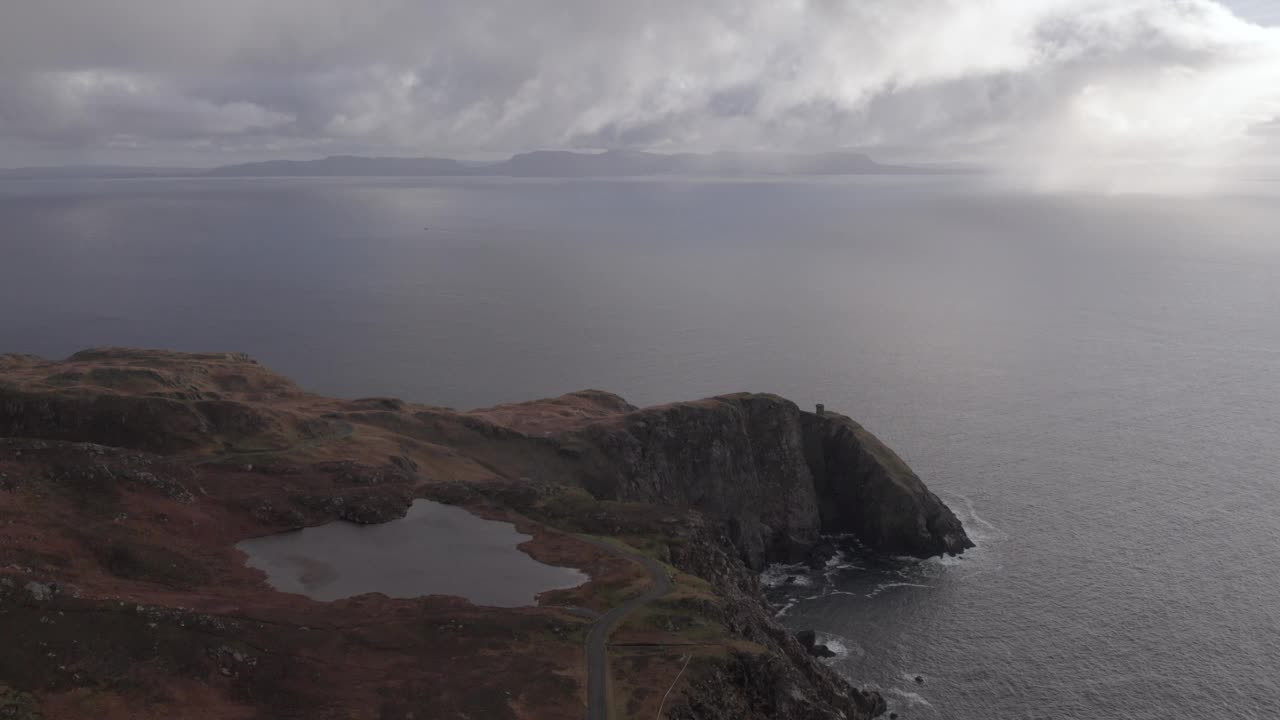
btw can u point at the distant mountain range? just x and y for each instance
(346, 166)
(543, 163)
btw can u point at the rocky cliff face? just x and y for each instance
(764, 674)
(152, 400)
(738, 459)
(776, 476)
(785, 682)
(864, 488)
(128, 476)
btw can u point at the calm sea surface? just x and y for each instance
(1092, 383)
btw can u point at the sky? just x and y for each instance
(1046, 86)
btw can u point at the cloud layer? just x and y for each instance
(1041, 82)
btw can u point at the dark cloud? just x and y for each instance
(157, 79)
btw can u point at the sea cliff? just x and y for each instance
(128, 476)
(776, 476)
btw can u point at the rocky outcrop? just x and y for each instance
(864, 488)
(738, 459)
(786, 681)
(756, 687)
(147, 423)
(128, 476)
(775, 476)
(152, 400)
(809, 640)
(769, 673)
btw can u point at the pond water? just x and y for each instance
(434, 549)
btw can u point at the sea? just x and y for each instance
(1092, 382)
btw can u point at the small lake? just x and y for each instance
(434, 549)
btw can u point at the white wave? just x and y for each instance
(843, 647)
(782, 611)
(978, 527)
(910, 697)
(836, 647)
(819, 596)
(885, 586)
(776, 575)
(835, 567)
(930, 568)
(792, 602)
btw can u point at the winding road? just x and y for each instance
(597, 640)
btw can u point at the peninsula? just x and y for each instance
(129, 477)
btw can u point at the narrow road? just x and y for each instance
(597, 640)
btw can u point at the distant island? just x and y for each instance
(542, 163)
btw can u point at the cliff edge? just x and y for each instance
(127, 478)
(778, 477)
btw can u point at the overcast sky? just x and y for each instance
(1044, 82)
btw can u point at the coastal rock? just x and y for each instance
(786, 683)
(777, 477)
(151, 400)
(864, 488)
(147, 423)
(821, 554)
(809, 639)
(739, 459)
(758, 687)
(134, 473)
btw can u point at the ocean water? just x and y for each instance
(1090, 382)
